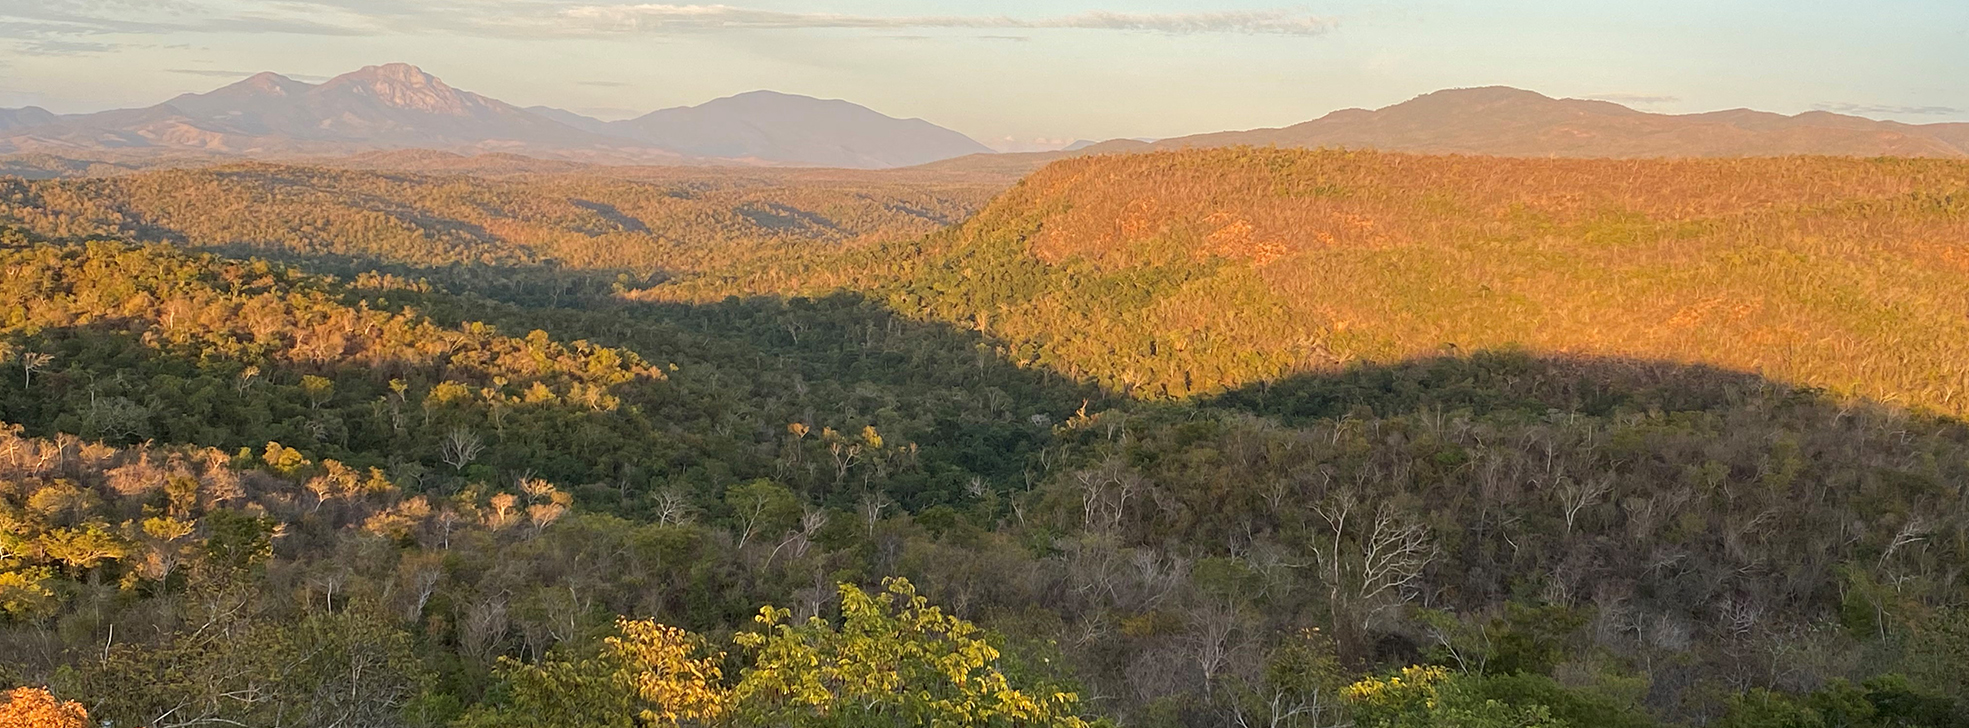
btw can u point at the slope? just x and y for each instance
(1182, 273)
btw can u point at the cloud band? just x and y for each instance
(660, 18)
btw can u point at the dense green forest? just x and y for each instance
(1086, 459)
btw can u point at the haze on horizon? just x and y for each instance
(1015, 71)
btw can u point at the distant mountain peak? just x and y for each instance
(396, 73)
(405, 86)
(26, 116)
(770, 94)
(797, 129)
(1490, 94)
(768, 99)
(269, 83)
(401, 106)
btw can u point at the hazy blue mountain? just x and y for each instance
(399, 106)
(25, 117)
(1512, 122)
(789, 129)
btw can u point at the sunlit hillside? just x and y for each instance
(1183, 273)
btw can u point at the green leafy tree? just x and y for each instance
(893, 660)
(1433, 697)
(644, 675)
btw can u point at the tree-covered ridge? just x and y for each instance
(647, 223)
(833, 396)
(1184, 273)
(129, 344)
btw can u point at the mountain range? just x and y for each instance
(1509, 122)
(399, 106)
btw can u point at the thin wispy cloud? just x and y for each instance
(47, 27)
(660, 18)
(1885, 110)
(56, 47)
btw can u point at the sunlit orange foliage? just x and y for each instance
(1184, 273)
(645, 219)
(27, 707)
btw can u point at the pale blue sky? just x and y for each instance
(1022, 68)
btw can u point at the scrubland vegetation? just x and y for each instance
(1233, 437)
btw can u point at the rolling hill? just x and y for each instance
(1503, 121)
(798, 129)
(25, 117)
(1184, 274)
(505, 211)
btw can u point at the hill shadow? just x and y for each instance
(946, 411)
(1505, 382)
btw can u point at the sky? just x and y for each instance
(1014, 72)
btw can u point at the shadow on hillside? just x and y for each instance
(737, 374)
(843, 336)
(747, 368)
(1505, 382)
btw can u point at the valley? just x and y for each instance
(1196, 437)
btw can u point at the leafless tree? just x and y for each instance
(1104, 494)
(483, 628)
(1369, 562)
(1576, 496)
(1316, 709)
(1915, 531)
(810, 523)
(1209, 640)
(673, 508)
(873, 503)
(32, 362)
(460, 448)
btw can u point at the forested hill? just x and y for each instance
(642, 221)
(1197, 439)
(1190, 273)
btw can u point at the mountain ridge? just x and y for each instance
(400, 106)
(396, 107)
(1510, 122)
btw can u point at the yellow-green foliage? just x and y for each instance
(647, 674)
(893, 660)
(1431, 697)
